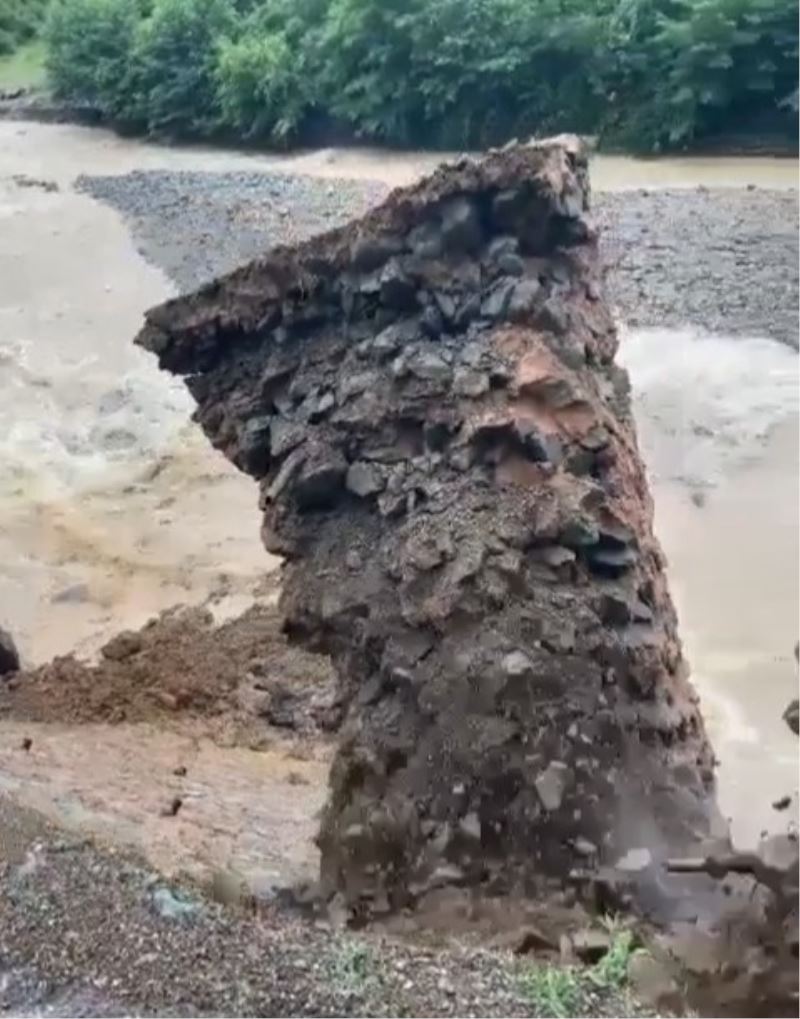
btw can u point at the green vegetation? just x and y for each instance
(552, 992)
(24, 68)
(20, 21)
(353, 967)
(557, 992)
(612, 970)
(642, 74)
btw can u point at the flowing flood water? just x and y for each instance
(113, 507)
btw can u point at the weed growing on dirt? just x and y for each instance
(553, 992)
(612, 970)
(558, 992)
(353, 967)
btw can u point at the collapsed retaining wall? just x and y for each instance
(446, 459)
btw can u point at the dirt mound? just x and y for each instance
(182, 664)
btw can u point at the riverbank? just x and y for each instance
(113, 507)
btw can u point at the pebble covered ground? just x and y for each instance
(90, 933)
(724, 260)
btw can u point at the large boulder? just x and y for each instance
(447, 461)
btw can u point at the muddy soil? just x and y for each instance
(183, 665)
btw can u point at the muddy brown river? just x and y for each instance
(113, 507)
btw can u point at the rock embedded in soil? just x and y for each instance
(9, 656)
(466, 526)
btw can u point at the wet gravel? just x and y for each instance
(86, 932)
(724, 260)
(195, 226)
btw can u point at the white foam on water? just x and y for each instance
(705, 404)
(67, 426)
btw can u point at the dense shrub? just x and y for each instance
(266, 78)
(455, 73)
(19, 21)
(89, 50)
(684, 69)
(175, 56)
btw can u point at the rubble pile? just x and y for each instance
(447, 462)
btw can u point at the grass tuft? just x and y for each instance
(552, 991)
(559, 992)
(353, 967)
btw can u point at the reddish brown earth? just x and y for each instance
(447, 461)
(237, 679)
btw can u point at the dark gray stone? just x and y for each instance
(429, 366)
(320, 478)
(540, 446)
(354, 385)
(614, 608)
(364, 479)
(461, 225)
(396, 289)
(393, 337)
(579, 533)
(425, 240)
(285, 436)
(553, 316)
(9, 656)
(369, 253)
(612, 558)
(255, 444)
(495, 304)
(431, 322)
(282, 479)
(468, 310)
(552, 784)
(524, 298)
(510, 264)
(321, 406)
(505, 244)
(468, 382)
(446, 304)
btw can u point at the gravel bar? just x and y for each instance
(722, 260)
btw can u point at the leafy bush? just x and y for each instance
(89, 45)
(175, 56)
(259, 92)
(684, 69)
(19, 22)
(640, 73)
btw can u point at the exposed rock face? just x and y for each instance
(446, 458)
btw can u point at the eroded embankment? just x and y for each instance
(447, 462)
